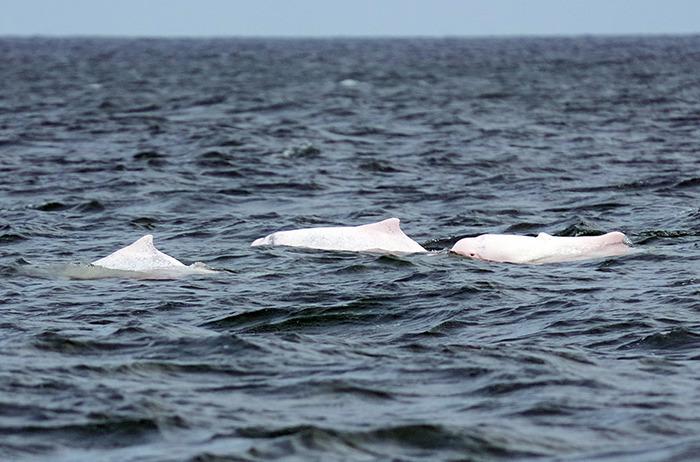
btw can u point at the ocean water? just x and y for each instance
(292, 354)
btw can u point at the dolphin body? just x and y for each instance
(384, 237)
(541, 249)
(143, 258)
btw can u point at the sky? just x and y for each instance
(319, 18)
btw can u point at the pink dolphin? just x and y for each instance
(541, 249)
(142, 257)
(384, 236)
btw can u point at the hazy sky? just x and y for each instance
(347, 17)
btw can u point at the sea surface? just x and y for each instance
(303, 355)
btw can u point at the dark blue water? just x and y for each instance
(306, 355)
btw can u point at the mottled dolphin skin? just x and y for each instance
(384, 236)
(143, 257)
(541, 249)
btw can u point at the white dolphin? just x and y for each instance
(143, 257)
(541, 249)
(384, 236)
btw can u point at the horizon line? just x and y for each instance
(352, 36)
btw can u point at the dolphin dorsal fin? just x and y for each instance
(615, 237)
(388, 226)
(146, 242)
(544, 236)
(142, 255)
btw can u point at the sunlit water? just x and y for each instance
(309, 355)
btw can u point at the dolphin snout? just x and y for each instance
(259, 242)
